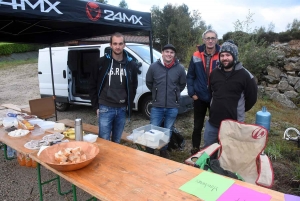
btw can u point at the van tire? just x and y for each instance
(146, 106)
(62, 106)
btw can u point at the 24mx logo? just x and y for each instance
(122, 17)
(259, 133)
(41, 3)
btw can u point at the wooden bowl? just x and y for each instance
(47, 156)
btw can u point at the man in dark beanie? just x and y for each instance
(165, 78)
(233, 89)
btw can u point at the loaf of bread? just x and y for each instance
(70, 155)
(26, 125)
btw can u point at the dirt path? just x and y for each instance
(19, 84)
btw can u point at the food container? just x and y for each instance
(90, 138)
(46, 124)
(35, 121)
(37, 131)
(151, 136)
(154, 135)
(9, 122)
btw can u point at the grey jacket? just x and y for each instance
(165, 84)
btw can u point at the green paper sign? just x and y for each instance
(207, 186)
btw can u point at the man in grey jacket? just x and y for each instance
(165, 79)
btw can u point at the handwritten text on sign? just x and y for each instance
(207, 186)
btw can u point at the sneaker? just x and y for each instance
(194, 150)
(164, 154)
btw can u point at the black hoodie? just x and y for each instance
(99, 78)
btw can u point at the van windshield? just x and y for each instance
(144, 52)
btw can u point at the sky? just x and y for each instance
(221, 14)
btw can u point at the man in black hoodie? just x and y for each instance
(113, 85)
(233, 90)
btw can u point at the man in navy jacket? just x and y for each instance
(203, 61)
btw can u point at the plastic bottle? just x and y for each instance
(34, 163)
(28, 161)
(21, 159)
(78, 130)
(10, 152)
(263, 118)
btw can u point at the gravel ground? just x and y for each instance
(18, 85)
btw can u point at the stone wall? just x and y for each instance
(281, 80)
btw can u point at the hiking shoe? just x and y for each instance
(194, 150)
(182, 145)
(164, 154)
(149, 150)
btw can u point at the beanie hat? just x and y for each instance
(231, 48)
(169, 46)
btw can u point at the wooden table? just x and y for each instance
(122, 173)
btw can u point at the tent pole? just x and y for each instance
(151, 46)
(51, 64)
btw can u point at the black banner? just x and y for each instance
(50, 21)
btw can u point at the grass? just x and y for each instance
(8, 64)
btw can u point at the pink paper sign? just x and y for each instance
(288, 197)
(240, 193)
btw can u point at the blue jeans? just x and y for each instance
(168, 115)
(210, 134)
(111, 122)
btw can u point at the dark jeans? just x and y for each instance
(200, 108)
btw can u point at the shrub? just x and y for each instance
(9, 48)
(189, 54)
(256, 58)
(268, 37)
(254, 52)
(295, 34)
(284, 37)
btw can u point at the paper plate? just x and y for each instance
(53, 137)
(18, 133)
(36, 144)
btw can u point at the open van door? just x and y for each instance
(81, 61)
